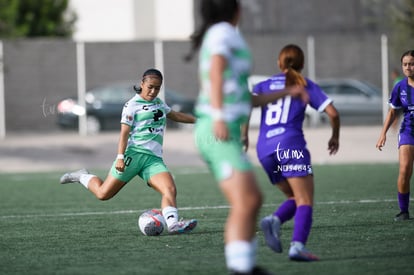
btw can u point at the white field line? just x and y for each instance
(120, 212)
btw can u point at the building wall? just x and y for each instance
(104, 20)
(128, 20)
(36, 76)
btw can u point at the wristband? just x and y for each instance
(120, 156)
(217, 114)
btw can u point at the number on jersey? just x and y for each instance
(278, 112)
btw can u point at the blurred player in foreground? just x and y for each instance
(140, 152)
(281, 149)
(223, 107)
(402, 98)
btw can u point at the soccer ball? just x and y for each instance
(151, 222)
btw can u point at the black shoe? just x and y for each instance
(402, 216)
(256, 271)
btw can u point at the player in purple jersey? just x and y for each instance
(402, 98)
(281, 149)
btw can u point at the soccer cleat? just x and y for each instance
(298, 252)
(183, 226)
(256, 271)
(402, 216)
(271, 229)
(73, 176)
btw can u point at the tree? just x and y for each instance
(403, 25)
(394, 18)
(36, 18)
(8, 15)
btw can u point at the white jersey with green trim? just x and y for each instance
(225, 40)
(147, 120)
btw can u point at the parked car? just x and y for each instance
(104, 107)
(358, 102)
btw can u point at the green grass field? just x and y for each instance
(47, 228)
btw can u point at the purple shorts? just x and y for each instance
(405, 139)
(289, 163)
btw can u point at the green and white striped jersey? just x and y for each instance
(147, 120)
(224, 39)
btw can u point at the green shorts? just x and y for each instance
(139, 164)
(222, 157)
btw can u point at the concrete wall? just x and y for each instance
(39, 73)
(36, 75)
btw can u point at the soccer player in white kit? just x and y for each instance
(140, 152)
(222, 110)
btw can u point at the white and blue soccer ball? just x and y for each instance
(151, 222)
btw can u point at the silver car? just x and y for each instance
(358, 102)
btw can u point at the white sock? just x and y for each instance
(240, 256)
(85, 178)
(170, 215)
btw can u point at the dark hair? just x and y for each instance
(292, 59)
(211, 12)
(407, 53)
(148, 73)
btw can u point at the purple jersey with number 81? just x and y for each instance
(282, 121)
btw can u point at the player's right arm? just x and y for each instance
(391, 115)
(127, 119)
(218, 66)
(122, 144)
(395, 105)
(294, 91)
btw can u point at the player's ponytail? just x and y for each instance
(291, 61)
(294, 77)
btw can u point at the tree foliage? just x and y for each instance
(405, 16)
(403, 25)
(36, 18)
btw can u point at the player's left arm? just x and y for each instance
(244, 128)
(333, 143)
(181, 117)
